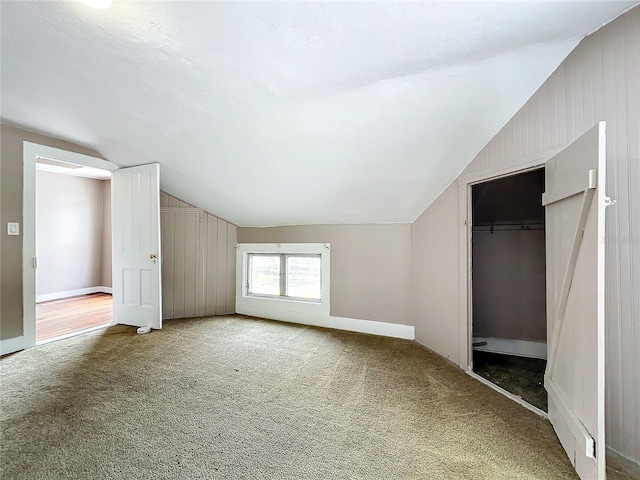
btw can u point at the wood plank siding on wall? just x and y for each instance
(599, 80)
(198, 261)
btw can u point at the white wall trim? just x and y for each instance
(465, 182)
(531, 162)
(383, 329)
(464, 291)
(47, 297)
(338, 323)
(510, 346)
(11, 345)
(305, 313)
(30, 154)
(277, 307)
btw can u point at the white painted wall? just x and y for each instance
(434, 243)
(370, 266)
(70, 233)
(600, 80)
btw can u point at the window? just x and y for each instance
(264, 275)
(293, 276)
(284, 281)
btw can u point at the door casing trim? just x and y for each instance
(30, 155)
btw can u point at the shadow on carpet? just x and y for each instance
(242, 398)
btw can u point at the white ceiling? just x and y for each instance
(270, 113)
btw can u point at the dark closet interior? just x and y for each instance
(508, 284)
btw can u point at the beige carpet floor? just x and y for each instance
(240, 398)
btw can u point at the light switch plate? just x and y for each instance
(13, 228)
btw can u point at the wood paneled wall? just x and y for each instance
(198, 261)
(599, 80)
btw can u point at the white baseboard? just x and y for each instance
(47, 297)
(339, 323)
(383, 329)
(508, 346)
(11, 345)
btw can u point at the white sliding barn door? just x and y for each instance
(575, 203)
(137, 296)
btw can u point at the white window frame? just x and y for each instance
(282, 257)
(282, 307)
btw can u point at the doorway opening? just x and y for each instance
(509, 325)
(73, 249)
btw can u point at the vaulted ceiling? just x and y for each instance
(275, 113)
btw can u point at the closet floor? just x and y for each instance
(68, 315)
(518, 375)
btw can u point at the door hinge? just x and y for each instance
(608, 201)
(34, 262)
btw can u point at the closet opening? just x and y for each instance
(508, 285)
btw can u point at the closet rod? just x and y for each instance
(506, 228)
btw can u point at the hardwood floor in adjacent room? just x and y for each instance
(68, 315)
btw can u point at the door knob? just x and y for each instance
(153, 257)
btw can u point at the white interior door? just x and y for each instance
(575, 202)
(137, 296)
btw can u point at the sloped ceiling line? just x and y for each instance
(279, 113)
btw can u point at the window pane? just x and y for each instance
(264, 274)
(303, 277)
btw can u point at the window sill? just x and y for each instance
(283, 299)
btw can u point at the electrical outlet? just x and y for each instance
(13, 228)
